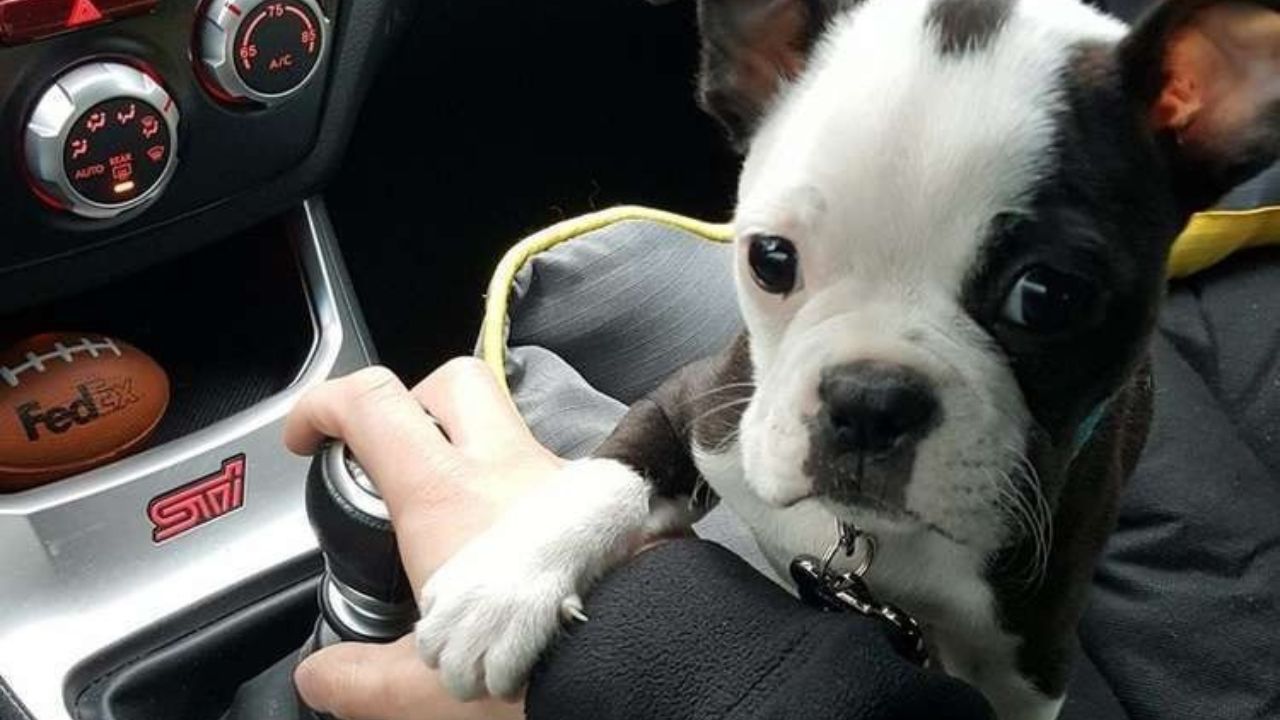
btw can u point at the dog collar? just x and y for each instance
(1085, 431)
(821, 587)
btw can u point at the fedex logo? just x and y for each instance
(58, 419)
(94, 398)
(198, 502)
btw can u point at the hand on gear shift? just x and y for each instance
(442, 485)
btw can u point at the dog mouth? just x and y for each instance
(855, 499)
(856, 508)
(868, 503)
(852, 503)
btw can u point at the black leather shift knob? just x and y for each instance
(365, 595)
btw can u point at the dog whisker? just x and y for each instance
(728, 440)
(721, 389)
(1015, 508)
(1023, 498)
(720, 408)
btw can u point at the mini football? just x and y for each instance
(70, 402)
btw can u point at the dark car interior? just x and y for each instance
(288, 225)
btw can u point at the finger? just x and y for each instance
(382, 423)
(384, 682)
(403, 451)
(340, 408)
(474, 410)
(363, 682)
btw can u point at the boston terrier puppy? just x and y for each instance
(952, 229)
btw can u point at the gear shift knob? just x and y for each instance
(365, 594)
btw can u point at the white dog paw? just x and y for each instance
(489, 613)
(484, 628)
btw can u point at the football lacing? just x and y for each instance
(60, 351)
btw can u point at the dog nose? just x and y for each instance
(875, 408)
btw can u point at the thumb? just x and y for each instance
(357, 681)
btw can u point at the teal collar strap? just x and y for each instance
(1085, 432)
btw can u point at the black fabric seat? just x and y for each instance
(1185, 616)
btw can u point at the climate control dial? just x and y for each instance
(102, 140)
(262, 50)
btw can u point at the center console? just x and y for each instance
(96, 579)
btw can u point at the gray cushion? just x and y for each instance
(599, 321)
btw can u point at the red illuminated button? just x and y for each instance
(26, 20)
(120, 160)
(83, 12)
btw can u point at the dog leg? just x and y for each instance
(1014, 697)
(987, 660)
(491, 610)
(489, 613)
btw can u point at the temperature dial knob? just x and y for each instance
(262, 50)
(102, 140)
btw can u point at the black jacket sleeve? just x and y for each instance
(689, 630)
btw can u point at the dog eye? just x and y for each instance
(1044, 300)
(773, 263)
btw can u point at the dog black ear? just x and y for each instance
(750, 48)
(1207, 73)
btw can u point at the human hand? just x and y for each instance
(358, 681)
(441, 488)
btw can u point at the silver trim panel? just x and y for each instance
(80, 572)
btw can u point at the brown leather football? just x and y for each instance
(70, 402)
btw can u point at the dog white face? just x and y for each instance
(878, 177)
